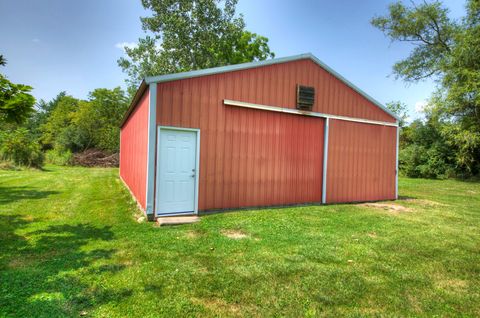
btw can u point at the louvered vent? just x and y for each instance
(305, 97)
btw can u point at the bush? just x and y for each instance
(20, 148)
(417, 161)
(58, 157)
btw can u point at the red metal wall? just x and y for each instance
(133, 149)
(248, 157)
(275, 85)
(361, 162)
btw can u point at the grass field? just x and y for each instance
(70, 246)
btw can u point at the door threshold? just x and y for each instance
(176, 214)
(177, 220)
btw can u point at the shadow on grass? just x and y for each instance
(12, 194)
(406, 198)
(45, 273)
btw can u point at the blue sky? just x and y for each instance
(72, 45)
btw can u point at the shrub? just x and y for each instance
(58, 157)
(417, 161)
(20, 148)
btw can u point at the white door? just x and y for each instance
(176, 171)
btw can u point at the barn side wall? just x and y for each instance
(133, 150)
(361, 162)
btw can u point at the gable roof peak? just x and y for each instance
(249, 65)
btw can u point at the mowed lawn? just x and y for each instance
(71, 246)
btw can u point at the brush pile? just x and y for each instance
(95, 158)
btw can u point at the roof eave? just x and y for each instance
(141, 89)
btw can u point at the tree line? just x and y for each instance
(446, 143)
(184, 35)
(56, 129)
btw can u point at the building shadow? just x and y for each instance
(406, 198)
(48, 272)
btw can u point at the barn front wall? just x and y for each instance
(251, 157)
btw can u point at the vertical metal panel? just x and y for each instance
(134, 146)
(361, 162)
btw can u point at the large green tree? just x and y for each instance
(16, 104)
(448, 51)
(187, 35)
(107, 108)
(70, 124)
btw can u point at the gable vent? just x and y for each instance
(305, 97)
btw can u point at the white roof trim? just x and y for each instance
(306, 113)
(243, 66)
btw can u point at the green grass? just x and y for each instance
(70, 246)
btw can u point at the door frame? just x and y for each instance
(197, 170)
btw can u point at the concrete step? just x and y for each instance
(176, 220)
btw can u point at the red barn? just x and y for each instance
(277, 132)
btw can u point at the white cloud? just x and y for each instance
(123, 45)
(420, 106)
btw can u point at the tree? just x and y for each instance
(41, 114)
(428, 27)
(15, 102)
(448, 51)
(399, 109)
(76, 125)
(189, 35)
(108, 107)
(58, 121)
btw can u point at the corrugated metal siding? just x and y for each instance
(133, 150)
(247, 157)
(275, 85)
(258, 158)
(361, 162)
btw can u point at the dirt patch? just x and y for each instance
(423, 202)
(387, 206)
(235, 234)
(19, 263)
(455, 285)
(192, 234)
(219, 305)
(372, 235)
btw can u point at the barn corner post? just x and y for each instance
(325, 161)
(152, 134)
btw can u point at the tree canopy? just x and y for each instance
(16, 104)
(186, 35)
(448, 51)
